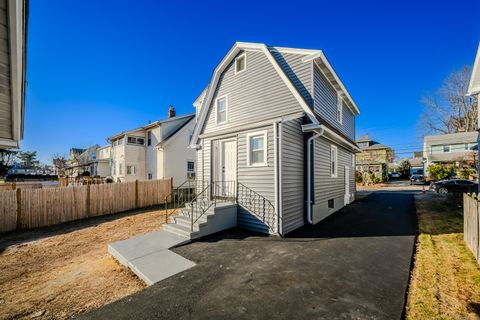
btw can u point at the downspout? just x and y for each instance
(309, 173)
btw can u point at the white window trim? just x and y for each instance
(193, 165)
(265, 148)
(334, 148)
(226, 110)
(243, 55)
(339, 108)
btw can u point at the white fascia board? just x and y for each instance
(331, 135)
(15, 26)
(221, 67)
(474, 84)
(319, 55)
(8, 143)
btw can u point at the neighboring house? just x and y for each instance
(13, 47)
(416, 163)
(457, 149)
(375, 157)
(83, 161)
(278, 125)
(155, 151)
(102, 163)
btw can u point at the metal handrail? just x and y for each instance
(262, 208)
(179, 201)
(204, 203)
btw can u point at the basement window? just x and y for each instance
(331, 204)
(240, 63)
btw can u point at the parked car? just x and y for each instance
(417, 179)
(454, 186)
(395, 175)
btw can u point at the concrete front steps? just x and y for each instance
(221, 217)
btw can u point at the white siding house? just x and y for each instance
(154, 151)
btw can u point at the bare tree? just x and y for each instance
(449, 110)
(60, 163)
(7, 158)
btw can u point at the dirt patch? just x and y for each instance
(65, 270)
(445, 280)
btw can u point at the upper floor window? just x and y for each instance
(136, 140)
(446, 148)
(240, 63)
(339, 108)
(130, 169)
(222, 106)
(257, 149)
(333, 161)
(149, 138)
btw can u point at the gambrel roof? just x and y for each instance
(317, 56)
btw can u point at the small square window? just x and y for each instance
(331, 204)
(150, 176)
(446, 148)
(240, 63)
(140, 141)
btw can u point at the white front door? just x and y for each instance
(226, 168)
(347, 185)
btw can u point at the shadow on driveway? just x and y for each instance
(353, 265)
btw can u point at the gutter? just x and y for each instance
(317, 134)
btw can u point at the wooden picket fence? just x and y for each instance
(471, 223)
(23, 209)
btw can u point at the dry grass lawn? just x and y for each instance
(57, 272)
(445, 281)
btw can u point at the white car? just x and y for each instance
(395, 175)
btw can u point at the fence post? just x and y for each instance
(136, 194)
(88, 199)
(171, 189)
(19, 209)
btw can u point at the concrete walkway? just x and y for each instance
(149, 257)
(353, 265)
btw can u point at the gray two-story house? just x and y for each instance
(275, 131)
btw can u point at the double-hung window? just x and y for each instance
(339, 108)
(257, 149)
(222, 106)
(333, 161)
(240, 63)
(130, 169)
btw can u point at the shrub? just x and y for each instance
(358, 177)
(438, 171)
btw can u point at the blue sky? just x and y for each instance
(99, 67)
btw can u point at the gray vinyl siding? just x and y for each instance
(199, 166)
(6, 130)
(256, 94)
(299, 72)
(326, 187)
(292, 175)
(325, 105)
(259, 179)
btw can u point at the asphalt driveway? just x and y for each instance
(353, 265)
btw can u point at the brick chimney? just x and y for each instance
(171, 112)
